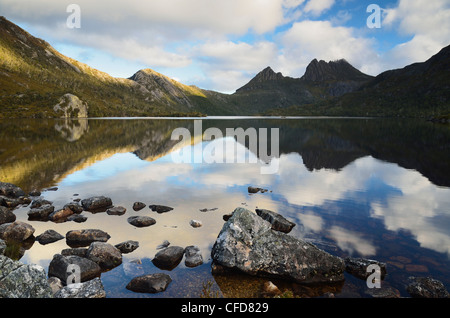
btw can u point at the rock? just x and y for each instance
(39, 202)
(34, 193)
(90, 289)
(55, 284)
(79, 238)
(358, 267)
(141, 221)
(6, 215)
(104, 254)
(383, 292)
(256, 190)
(160, 208)
(193, 256)
(137, 206)
(426, 287)
(117, 210)
(163, 245)
(16, 231)
(279, 223)
(78, 218)
(68, 267)
(247, 243)
(168, 258)
(195, 223)
(2, 247)
(127, 246)
(48, 237)
(74, 206)
(41, 212)
(96, 204)
(78, 251)
(70, 106)
(18, 280)
(10, 190)
(60, 215)
(270, 289)
(152, 283)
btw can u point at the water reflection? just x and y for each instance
(371, 194)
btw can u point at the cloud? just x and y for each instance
(428, 22)
(307, 40)
(316, 7)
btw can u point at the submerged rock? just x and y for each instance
(247, 243)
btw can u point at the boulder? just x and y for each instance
(67, 267)
(6, 215)
(279, 223)
(16, 231)
(426, 287)
(10, 190)
(358, 267)
(70, 106)
(160, 208)
(141, 221)
(90, 289)
(78, 218)
(80, 238)
(41, 212)
(193, 256)
(48, 237)
(168, 258)
(152, 283)
(104, 254)
(96, 204)
(18, 280)
(137, 206)
(127, 246)
(60, 215)
(248, 244)
(117, 210)
(39, 202)
(74, 206)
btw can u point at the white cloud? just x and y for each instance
(316, 7)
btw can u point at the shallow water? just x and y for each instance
(374, 188)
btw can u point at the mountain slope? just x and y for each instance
(34, 76)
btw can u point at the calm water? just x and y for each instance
(373, 188)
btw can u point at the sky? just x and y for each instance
(221, 44)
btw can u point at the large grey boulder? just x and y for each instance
(18, 280)
(249, 244)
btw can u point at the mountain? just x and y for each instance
(417, 90)
(38, 81)
(34, 77)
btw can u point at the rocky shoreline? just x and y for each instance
(254, 243)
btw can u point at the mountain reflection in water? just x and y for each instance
(376, 188)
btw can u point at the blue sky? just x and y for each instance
(222, 44)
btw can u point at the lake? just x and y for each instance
(354, 187)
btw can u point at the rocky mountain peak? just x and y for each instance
(339, 70)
